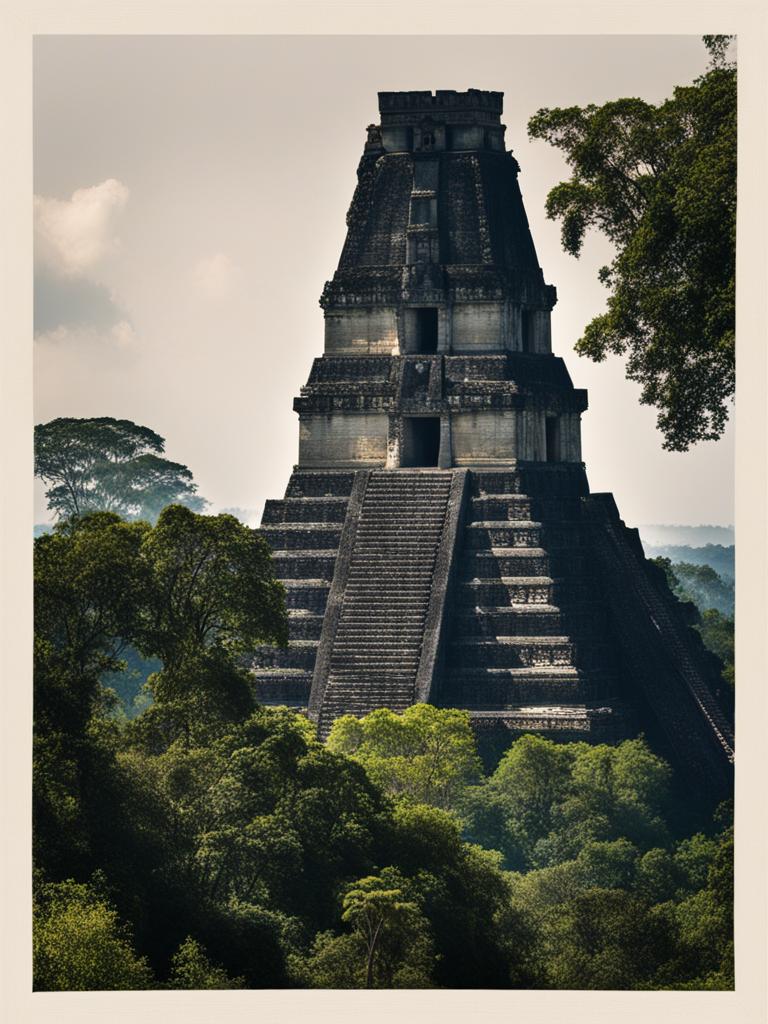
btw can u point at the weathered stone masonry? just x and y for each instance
(437, 539)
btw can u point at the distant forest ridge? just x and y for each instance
(720, 558)
(659, 535)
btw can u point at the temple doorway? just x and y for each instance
(421, 441)
(553, 439)
(426, 330)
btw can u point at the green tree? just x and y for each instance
(546, 800)
(717, 633)
(388, 923)
(260, 814)
(79, 944)
(195, 590)
(425, 754)
(212, 597)
(481, 941)
(618, 791)
(660, 183)
(605, 939)
(89, 588)
(704, 923)
(711, 594)
(213, 586)
(191, 969)
(103, 464)
(700, 584)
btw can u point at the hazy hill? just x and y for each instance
(720, 558)
(659, 535)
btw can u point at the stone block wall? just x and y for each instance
(484, 437)
(350, 439)
(477, 327)
(361, 331)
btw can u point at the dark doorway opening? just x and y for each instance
(525, 327)
(421, 441)
(426, 330)
(553, 439)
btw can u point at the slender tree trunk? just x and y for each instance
(371, 955)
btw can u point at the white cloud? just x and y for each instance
(119, 338)
(72, 236)
(85, 371)
(217, 276)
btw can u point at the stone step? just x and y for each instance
(377, 646)
(309, 595)
(498, 687)
(380, 665)
(512, 620)
(498, 561)
(535, 590)
(394, 626)
(376, 556)
(304, 564)
(282, 686)
(418, 488)
(320, 484)
(301, 510)
(541, 480)
(404, 607)
(501, 534)
(302, 536)
(396, 523)
(512, 652)
(363, 584)
(299, 654)
(303, 625)
(605, 722)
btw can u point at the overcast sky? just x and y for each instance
(190, 203)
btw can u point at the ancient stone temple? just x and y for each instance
(438, 540)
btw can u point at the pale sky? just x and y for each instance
(191, 195)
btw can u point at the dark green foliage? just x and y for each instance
(479, 939)
(191, 969)
(209, 843)
(89, 585)
(544, 801)
(96, 589)
(719, 557)
(606, 939)
(612, 918)
(109, 465)
(425, 754)
(390, 947)
(660, 183)
(129, 681)
(212, 588)
(717, 633)
(80, 945)
(701, 585)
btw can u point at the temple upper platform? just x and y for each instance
(438, 255)
(438, 344)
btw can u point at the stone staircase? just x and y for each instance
(377, 646)
(303, 529)
(529, 650)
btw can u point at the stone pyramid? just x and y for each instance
(438, 540)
